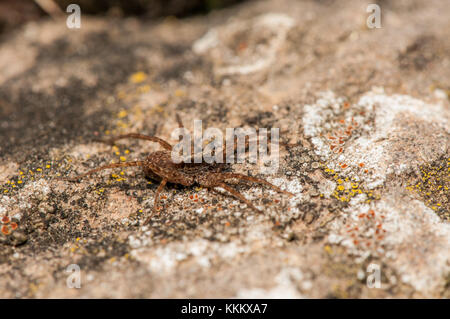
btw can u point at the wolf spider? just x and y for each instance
(160, 167)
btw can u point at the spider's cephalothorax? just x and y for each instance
(159, 166)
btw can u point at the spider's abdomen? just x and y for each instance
(159, 165)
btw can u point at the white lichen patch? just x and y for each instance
(366, 142)
(293, 186)
(422, 254)
(202, 252)
(285, 287)
(405, 231)
(243, 47)
(377, 136)
(326, 187)
(7, 170)
(13, 205)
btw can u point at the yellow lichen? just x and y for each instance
(138, 77)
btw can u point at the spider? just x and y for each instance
(159, 166)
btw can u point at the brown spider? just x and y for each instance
(160, 167)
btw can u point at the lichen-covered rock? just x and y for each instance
(363, 117)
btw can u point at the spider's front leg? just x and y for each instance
(155, 139)
(238, 195)
(95, 170)
(213, 180)
(238, 176)
(155, 203)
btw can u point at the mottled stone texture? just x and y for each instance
(365, 112)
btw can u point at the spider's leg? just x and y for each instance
(95, 170)
(180, 123)
(162, 142)
(253, 179)
(238, 195)
(158, 191)
(234, 143)
(247, 144)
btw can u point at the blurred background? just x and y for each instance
(14, 13)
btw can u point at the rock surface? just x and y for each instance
(365, 113)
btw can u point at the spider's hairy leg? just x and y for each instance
(233, 147)
(95, 170)
(180, 125)
(158, 191)
(179, 121)
(253, 179)
(238, 195)
(162, 142)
